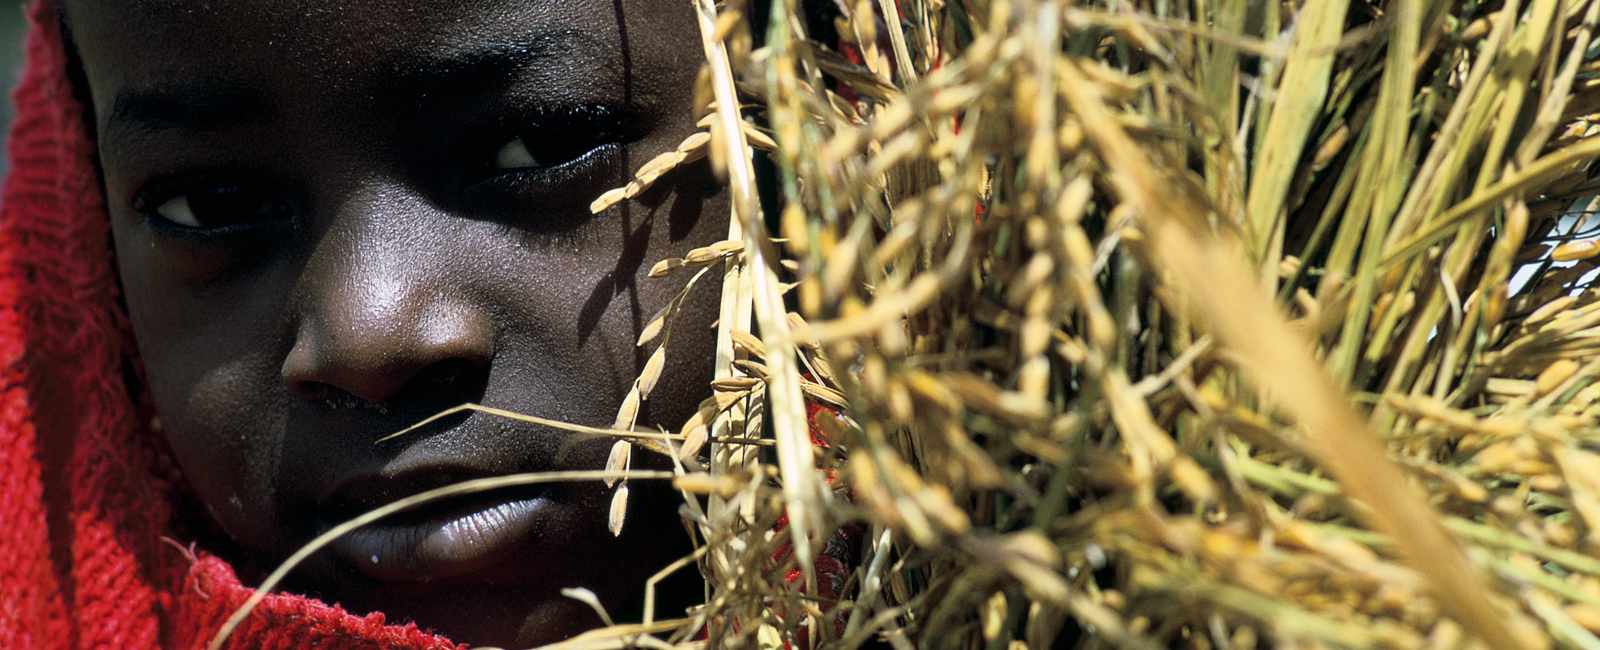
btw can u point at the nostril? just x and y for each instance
(336, 398)
(447, 374)
(454, 380)
(315, 390)
(448, 383)
(333, 397)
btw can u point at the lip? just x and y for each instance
(447, 539)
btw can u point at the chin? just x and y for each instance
(484, 615)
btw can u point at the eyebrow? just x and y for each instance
(457, 65)
(214, 104)
(199, 105)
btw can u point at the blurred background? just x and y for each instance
(13, 21)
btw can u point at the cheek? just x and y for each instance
(228, 436)
(580, 316)
(697, 216)
(207, 351)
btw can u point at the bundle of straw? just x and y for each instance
(1212, 324)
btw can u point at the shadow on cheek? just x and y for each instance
(688, 208)
(619, 279)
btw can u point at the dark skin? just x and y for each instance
(332, 222)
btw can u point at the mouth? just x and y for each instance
(444, 539)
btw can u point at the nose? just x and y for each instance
(383, 306)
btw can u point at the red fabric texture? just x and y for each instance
(86, 496)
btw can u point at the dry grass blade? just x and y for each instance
(787, 405)
(1305, 78)
(587, 597)
(1541, 171)
(654, 438)
(616, 637)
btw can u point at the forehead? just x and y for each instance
(367, 48)
(302, 33)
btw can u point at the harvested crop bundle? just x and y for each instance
(1211, 324)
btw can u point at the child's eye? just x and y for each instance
(548, 149)
(515, 155)
(220, 206)
(553, 138)
(556, 160)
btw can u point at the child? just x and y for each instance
(329, 222)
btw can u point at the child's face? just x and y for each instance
(335, 219)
